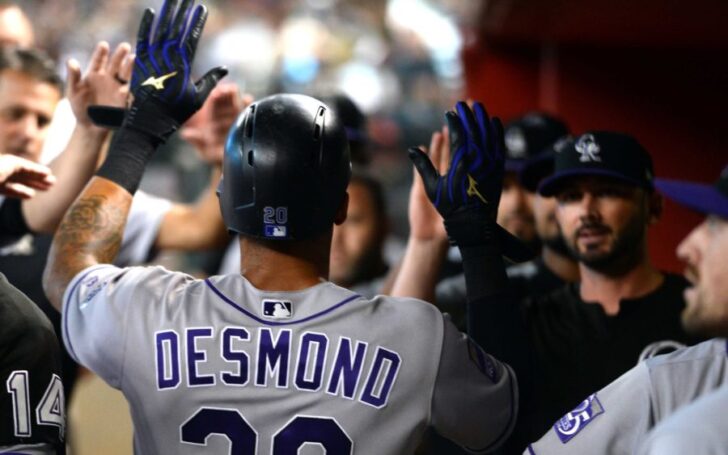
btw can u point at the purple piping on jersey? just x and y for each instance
(726, 347)
(263, 321)
(530, 450)
(65, 315)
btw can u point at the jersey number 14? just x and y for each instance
(50, 409)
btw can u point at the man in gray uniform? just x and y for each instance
(275, 359)
(700, 428)
(617, 418)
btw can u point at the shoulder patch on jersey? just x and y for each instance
(90, 287)
(573, 422)
(277, 309)
(482, 361)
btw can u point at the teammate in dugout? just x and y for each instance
(579, 338)
(658, 392)
(32, 412)
(275, 358)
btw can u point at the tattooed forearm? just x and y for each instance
(92, 227)
(90, 233)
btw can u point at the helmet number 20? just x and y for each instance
(231, 424)
(275, 215)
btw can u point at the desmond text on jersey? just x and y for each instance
(348, 374)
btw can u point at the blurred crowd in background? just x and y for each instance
(398, 60)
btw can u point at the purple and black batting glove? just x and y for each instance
(467, 196)
(165, 95)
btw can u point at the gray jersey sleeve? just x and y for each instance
(699, 428)
(96, 307)
(616, 419)
(475, 396)
(609, 421)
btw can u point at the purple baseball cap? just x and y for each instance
(705, 198)
(600, 153)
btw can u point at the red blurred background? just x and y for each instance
(656, 69)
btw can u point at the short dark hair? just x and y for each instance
(33, 62)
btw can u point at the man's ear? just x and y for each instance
(343, 208)
(656, 204)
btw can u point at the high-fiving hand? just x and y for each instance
(473, 182)
(468, 194)
(165, 95)
(103, 81)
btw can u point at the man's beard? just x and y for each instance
(703, 317)
(367, 268)
(625, 253)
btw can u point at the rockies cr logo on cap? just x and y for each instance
(588, 148)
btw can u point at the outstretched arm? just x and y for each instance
(427, 243)
(77, 163)
(200, 225)
(164, 98)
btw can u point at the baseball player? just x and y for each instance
(275, 359)
(32, 405)
(616, 418)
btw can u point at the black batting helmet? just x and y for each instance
(286, 169)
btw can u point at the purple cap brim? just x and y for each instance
(550, 185)
(702, 197)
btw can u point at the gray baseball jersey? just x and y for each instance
(616, 419)
(699, 428)
(217, 366)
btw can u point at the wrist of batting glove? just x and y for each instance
(129, 152)
(153, 118)
(470, 228)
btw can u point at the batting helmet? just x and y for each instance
(285, 170)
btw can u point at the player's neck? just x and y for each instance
(283, 269)
(609, 290)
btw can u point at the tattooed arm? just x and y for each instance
(89, 234)
(92, 229)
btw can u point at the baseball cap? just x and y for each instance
(600, 153)
(529, 135)
(540, 166)
(705, 198)
(355, 123)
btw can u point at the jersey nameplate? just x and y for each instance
(276, 359)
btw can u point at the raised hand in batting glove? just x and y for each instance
(467, 196)
(164, 93)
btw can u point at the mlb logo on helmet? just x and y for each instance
(573, 422)
(274, 230)
(277, 309)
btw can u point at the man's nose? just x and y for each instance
(27, 125)
(589, 206)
